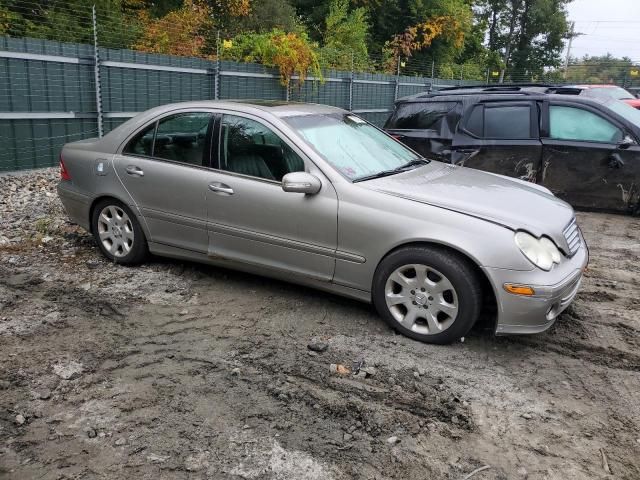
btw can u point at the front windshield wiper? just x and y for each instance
(393, 171)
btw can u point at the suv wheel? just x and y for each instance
(427, 294)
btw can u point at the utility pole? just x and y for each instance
(572, 35)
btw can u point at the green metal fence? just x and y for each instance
(52, 93)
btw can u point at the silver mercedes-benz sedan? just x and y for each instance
(315, 195)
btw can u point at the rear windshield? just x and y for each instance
(419, 116)
(616, 93)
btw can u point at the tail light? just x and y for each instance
(64, 174)
(397, 137)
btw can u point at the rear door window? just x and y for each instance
(503, 122)
(572, 123)
(182, 137)
(420, 116)
(507, 122)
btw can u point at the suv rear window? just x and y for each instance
(419, 116)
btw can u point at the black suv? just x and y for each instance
(585, 150)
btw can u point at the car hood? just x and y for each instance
(509, 202)
(634, 102)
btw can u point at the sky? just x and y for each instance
(608, 26)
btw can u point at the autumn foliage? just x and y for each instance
(420, 36)
(292, 53)
(180, 32)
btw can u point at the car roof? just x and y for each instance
(279, 108)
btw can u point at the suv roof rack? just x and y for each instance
(504, 89)
(500, 86)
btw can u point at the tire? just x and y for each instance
(427, 294)
(118, 233)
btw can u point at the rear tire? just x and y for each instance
(118, 233)
(427, 294)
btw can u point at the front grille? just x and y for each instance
(572, 236)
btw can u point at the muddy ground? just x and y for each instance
(174, 370)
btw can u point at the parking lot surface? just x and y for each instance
(173, 370)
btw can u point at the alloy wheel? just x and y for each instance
(115, 231)
(421, 299)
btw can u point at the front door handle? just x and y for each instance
(134, 171)
(221, 188)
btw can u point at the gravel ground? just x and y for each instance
(173, 370)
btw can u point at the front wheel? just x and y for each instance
(427, 294)
(118, 233)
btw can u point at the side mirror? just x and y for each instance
(301, 182)
(626, 142)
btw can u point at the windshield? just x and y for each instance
(352, 146)
(612, 92)
(627, 111)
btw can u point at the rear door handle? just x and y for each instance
(221, 188)
(135, 171)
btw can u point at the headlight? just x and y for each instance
(542, 252)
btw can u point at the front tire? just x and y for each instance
(427, 294)
(118, 233)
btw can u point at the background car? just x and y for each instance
(608, 91)
(315, 195)
(585, 150)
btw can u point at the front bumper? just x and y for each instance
(554, 292)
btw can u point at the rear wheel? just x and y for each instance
(427, 293)
(118, 233)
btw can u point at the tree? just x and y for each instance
(71, 20)
(179, 32)
(264, 16)
(292, 53)
(528, 34)
(345, 37)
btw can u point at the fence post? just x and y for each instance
(96, 71)
(351, 78)
(395, 93)
(216, 77)
(433, 73)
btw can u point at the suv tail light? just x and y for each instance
(64, 174)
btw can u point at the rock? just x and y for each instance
(339, 369)
(527, 416)
(235, 372)
(68, 371)
(416, 374)
(318, 347)
(368, 371)
(393, 440)
(184, 312)
(20, 419)
(44, 394)
(193, 463)
(155, 458)
(4, 385)
(91, 433)
(121, 441)
(347, 437)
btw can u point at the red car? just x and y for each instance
(609, 91)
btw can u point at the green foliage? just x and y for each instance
(345, 37)
(71, 21)
(292, 53)
(600, 69)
